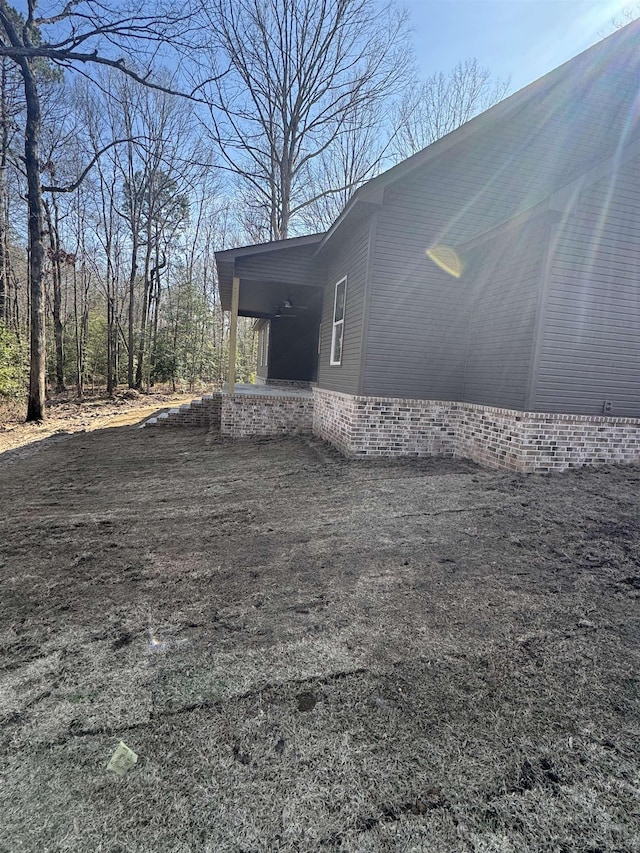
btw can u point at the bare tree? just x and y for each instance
(11, 106)
(625, 16)
(358, 154)
(297, 75)
(156, 174)
(102, 198)
(442, 103)
(128, 230)
(85, 33)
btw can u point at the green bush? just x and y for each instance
(14, 365)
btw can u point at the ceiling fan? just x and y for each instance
(287, 306)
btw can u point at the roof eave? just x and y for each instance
(262, 248)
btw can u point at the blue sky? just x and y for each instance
(523, 39)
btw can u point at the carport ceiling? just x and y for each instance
(262, 297)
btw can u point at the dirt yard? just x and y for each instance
(66, 415)
(311, 654)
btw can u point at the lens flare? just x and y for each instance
(447, 259)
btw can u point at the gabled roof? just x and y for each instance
(594, 93)
(504, 162)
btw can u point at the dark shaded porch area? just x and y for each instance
(281, 285)
(293, 348)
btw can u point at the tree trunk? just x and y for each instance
(111, 337)
(58, 329)
(37, 393)
(79, 333)
(84, 329)
(146, 305)
(56, 277)
(160, 263)
(4, 240)
(132, 296)
(4, 290)
(112, 324)
(16, 317)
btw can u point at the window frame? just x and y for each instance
(338, 323)
(263, 355)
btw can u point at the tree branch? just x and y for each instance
(74, 186)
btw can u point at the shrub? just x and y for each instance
(14, 364)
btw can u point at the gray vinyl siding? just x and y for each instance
(431, 336)
(590, 341)
(509, 167)
(350, 260)
(418, 315)
(418, 328)
(292, 265)
(506, 282)
(417, 332)
(505, 167)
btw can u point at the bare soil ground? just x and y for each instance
(66, 415)
(313, 654)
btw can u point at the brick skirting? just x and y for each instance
(379, 426)
(245, 414)
(498, 438)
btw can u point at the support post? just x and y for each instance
(233, 334)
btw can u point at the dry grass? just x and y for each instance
(310, 654)
(66, 414)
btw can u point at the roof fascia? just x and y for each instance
(375, 199)
(229, 255)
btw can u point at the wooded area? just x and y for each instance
(136, 141)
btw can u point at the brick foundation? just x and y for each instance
(385, 426)
(380, 426)
(497, 438)
(263, 414)
(491, 436)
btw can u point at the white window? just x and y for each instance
(337, 334)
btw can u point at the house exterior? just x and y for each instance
(523, 352)
(282, 287)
